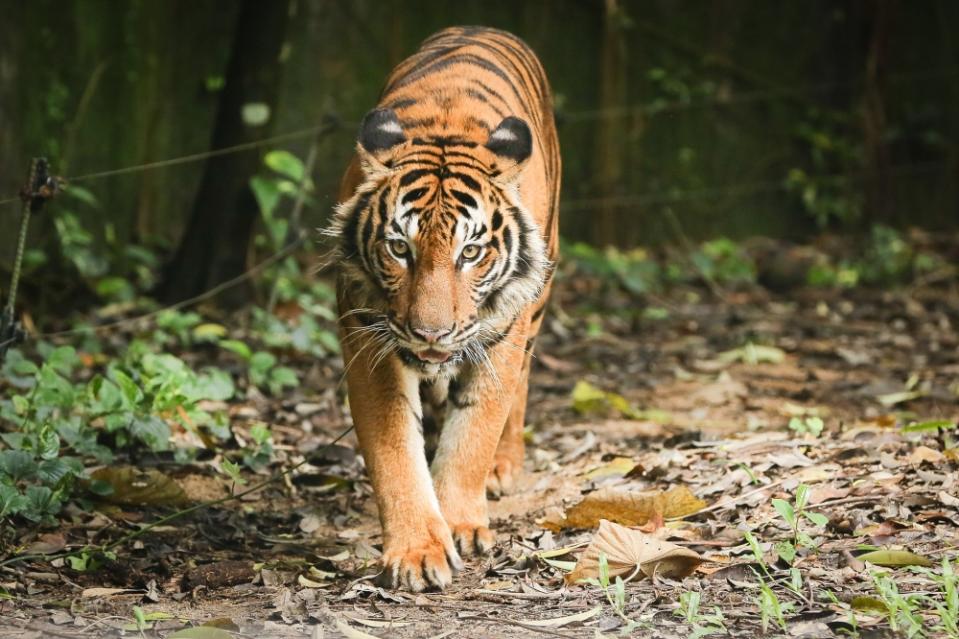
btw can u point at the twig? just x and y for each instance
(273, 259)
(521, 595)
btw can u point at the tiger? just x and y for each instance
(446, 241)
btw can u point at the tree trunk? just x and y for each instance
(213, 248)
(610, 127)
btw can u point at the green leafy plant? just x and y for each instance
(770, 607)
(807, 425)
(265, 373)
(948, 608)
(703, 624)
(724, 261)
(60, 419)
(634, 270)
(903, 612)
(260, 450)
(832, 146)
(115, 269)
(794, 514)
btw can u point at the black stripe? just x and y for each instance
(442, 61)
(456, 395)
(413, 176)
(480, 96)
(464, 198)
(467, 180)
(419, 122)
(402, 103)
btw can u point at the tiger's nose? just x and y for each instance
(431, 335)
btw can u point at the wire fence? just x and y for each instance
(663, 196)
(680, 104)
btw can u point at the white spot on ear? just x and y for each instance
(391, 127)
(503, 135)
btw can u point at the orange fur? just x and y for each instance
(447, 228)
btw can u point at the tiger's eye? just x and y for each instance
(470, 252)
(399, 248)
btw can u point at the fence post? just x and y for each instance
(39, 188)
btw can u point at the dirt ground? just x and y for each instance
(714, 379)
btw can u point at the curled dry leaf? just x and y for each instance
(627, 507)
(627, 550)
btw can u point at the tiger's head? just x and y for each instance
(436, 249)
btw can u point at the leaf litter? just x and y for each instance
(655, 444)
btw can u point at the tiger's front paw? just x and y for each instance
(420, 560)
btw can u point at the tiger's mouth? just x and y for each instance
(429, 359)
(433, 355)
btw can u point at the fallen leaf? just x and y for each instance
(352, 633)
(47, 544)
(753, 354)
(628, 551)
(928, 427)
(559, 622)
(565, 566)
(376, 623)
(201, 632)
(618, 466)
(135, 487)
(865, 603)
(924, 454)
(948, 500)
(590, 400)
(627, 507)
(894, 558)
(891, 399)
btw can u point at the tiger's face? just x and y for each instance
(440, 253)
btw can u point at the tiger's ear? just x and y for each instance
(380, 131)
(511, 141)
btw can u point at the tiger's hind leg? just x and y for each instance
(511, 450)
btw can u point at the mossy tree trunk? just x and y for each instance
(214, 245)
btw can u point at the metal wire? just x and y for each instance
(216, 290)
(326, 127)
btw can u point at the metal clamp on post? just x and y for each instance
(40, 187)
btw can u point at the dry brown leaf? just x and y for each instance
(47, 544)
(627, 550)
(616, 466)
(627, 507)
(924, 454)
(137, 487)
